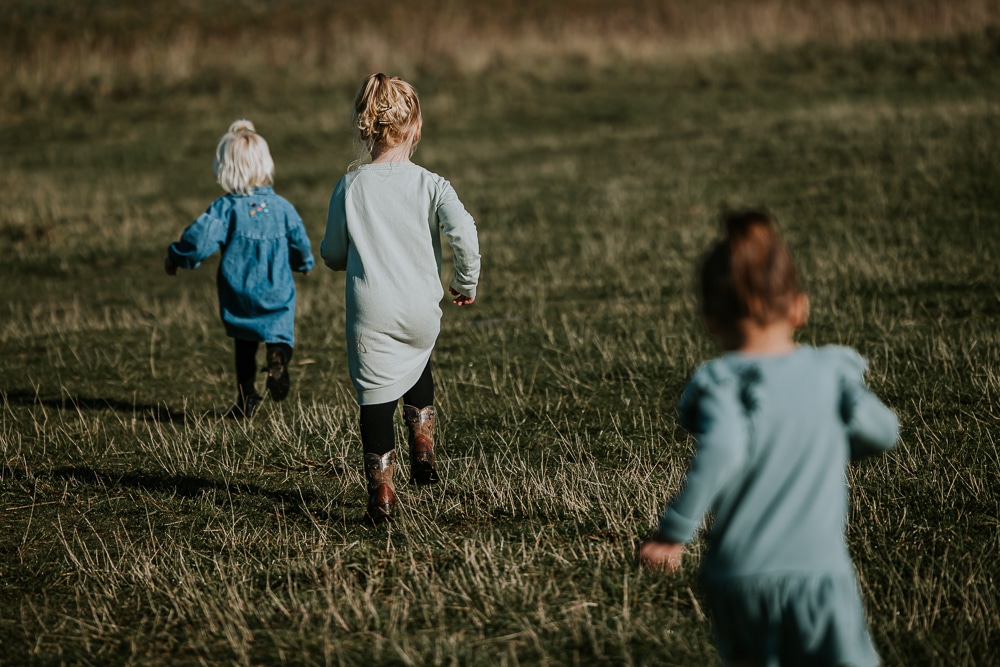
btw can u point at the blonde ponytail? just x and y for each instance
(241, 125)
(386, 112)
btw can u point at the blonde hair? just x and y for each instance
(243, 160)
(386, 113)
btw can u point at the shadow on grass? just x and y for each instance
(293, 501)
(159, 412)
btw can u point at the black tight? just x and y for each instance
(246, 362)
(378, 434)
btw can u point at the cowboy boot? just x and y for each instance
(381, 490)
(420, 424)
(278, 382)
(247, 402)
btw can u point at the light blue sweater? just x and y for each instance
(774, 437)
(384, 228)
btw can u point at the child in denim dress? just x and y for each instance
(775, 425)
(263, 241)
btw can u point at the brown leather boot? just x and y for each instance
(381, 490)
(420, 424)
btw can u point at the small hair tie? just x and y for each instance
(380, 111)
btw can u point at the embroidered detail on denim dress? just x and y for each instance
(259, 208)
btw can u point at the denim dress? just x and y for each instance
(263, 241)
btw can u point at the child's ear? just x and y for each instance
(799, 312)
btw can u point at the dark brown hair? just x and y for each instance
(749, 273)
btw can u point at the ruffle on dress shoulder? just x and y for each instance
(851, 368)
(849, 364)
(716, 377)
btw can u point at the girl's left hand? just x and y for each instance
(460, 299)
(664, 556)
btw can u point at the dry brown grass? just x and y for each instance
(98, 50)
(138, 527)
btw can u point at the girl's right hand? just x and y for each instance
(664, 556)
(460, 299)
(169, 267)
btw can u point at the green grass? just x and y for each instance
(138, 526)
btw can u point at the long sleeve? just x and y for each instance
(200, 240)
(715, 418)
(872, 428)
(459, 228)
(300, 256)
(333, 247)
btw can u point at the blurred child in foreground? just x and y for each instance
(384, 228)
(263, 241)
(775, 425)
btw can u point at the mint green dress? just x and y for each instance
(774, 438)
(384, 228)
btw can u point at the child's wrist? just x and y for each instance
(660, 538)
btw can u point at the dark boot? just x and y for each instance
(278, 381)
(246, 405)
(381, 490)
(420, 424)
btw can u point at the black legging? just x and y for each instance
(378, 434)
(246, 362)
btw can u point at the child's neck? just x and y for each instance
(400, 153)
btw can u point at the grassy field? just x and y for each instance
(137, 526)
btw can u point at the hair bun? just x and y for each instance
(740, 224)
(241, 125)
(748, 274)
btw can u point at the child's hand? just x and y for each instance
(460, 299)
(664, 556)
(305, 274)
(169, 267)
